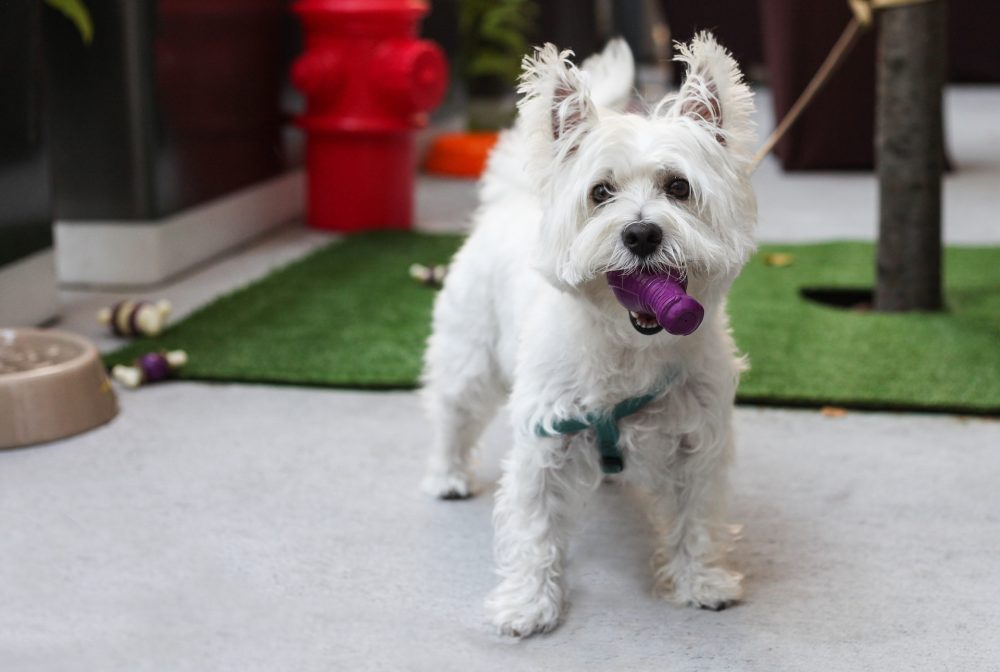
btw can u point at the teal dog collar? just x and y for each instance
(605, 425)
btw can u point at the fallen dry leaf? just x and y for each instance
(779, 259)
(833, 411)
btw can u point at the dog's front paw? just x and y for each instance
(453, 484)
(516, 613)
(712, 588)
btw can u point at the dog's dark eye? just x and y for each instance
(601, 192)
(679, 188)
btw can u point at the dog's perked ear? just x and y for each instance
(714, 94)
(556, 100)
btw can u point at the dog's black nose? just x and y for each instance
(642, 238)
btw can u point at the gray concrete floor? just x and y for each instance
(226, 527)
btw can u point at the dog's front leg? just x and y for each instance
(691, 509)
(544, 482)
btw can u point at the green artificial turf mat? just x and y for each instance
(805, 353)
(349, 315)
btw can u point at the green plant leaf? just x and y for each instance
(494, 63)
(514, 43)
(510, 20)
(495, 37)
(75, 11)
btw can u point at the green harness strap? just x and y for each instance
(605, 425)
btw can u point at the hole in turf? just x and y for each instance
(859, 300)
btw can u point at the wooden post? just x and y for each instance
(909, 156)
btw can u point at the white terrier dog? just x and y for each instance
(579, 188)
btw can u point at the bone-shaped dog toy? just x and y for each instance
(663, 296)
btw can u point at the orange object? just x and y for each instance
(460, 154)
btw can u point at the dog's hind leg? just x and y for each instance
(462, 392)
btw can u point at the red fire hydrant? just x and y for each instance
(369, 83)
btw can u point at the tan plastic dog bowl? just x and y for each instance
(52, 385)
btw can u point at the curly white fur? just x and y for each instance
(526, 315)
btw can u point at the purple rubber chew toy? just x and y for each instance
(154, 367)
(663, 296)
(150, 368)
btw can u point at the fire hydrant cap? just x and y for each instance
(318, 73)
(415, 73)
(429, 73)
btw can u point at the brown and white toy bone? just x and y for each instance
(136, 318)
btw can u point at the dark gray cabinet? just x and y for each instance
(25, 215)
(175, 102)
